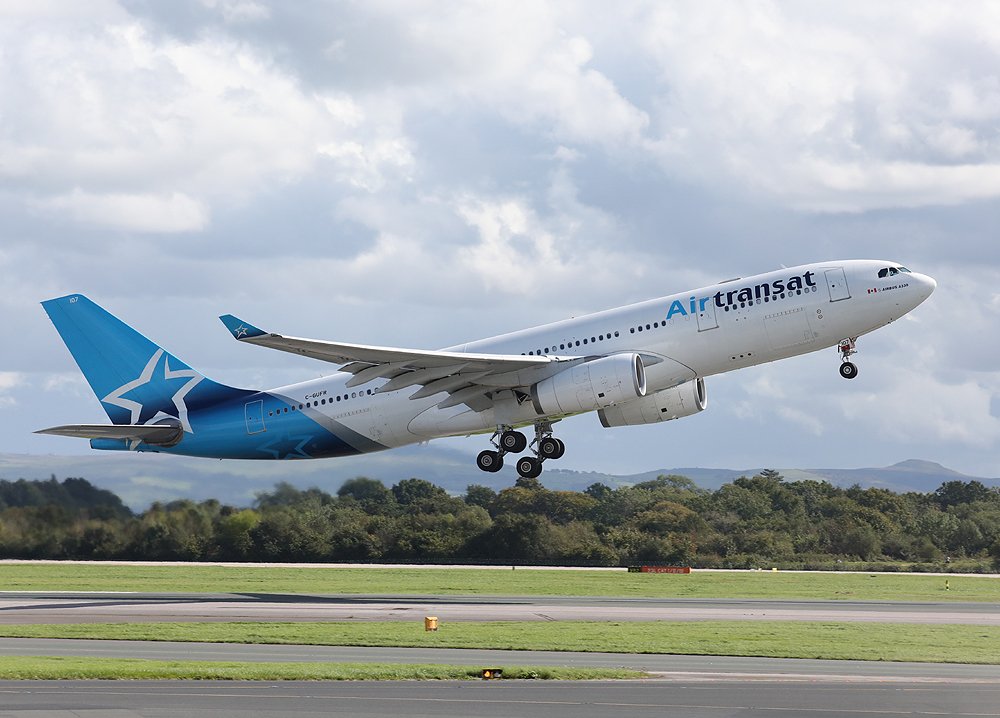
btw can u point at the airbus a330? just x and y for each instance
(640, 364)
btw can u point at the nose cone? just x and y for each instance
(925, 285)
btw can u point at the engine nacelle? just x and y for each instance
(674, 403)
(592, 385)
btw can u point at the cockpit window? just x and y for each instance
(892, 271)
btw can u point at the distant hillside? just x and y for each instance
(140, 479)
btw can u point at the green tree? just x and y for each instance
(478, 495)
(410, 491)
(371, 494)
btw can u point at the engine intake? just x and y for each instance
(591, 385)
(679, 401)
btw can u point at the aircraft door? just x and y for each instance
(255, 417)
(707, 318)
(836, 282)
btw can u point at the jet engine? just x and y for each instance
(592, 385)
(679, 401)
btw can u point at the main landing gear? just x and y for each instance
(848, 369)
(510, 441)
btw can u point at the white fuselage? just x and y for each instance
(714, 329)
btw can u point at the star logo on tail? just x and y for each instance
(150, 375)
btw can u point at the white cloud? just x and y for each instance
(173, 212)
(115, 118)
(918, 409)
(239, 10)
(517, 59)
(848, 110)
(9, 381)
(367, 167)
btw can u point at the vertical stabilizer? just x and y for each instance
(137, 381)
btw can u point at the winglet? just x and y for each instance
(241, 329)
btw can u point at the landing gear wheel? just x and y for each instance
(529, 467)
(562, 449)
(549, 448)
(513, 442)
(848, 370)
(490, 461)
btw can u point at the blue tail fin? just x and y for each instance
(137, 381)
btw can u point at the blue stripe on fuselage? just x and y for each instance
(221, 432)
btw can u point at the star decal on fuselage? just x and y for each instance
(287, 446)
(147, 376)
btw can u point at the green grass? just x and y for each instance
(58, 668)
(376, 580)
(830, 640)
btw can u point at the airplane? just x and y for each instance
(639, 364)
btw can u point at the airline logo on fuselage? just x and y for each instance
(797, 283)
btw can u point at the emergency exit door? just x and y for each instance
(255, 416)
(836, 282)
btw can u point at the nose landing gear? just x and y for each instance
(848, 369)
(507, 440)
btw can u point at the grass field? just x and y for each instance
(377, 580)
(57, 668)
(856, 641)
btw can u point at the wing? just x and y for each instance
(469, 379)
(161, 434)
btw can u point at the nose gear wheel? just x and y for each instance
(848, 369)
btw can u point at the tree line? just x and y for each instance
(752, 522)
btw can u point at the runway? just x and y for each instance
(93, 699)
(53, 607)
(688, 686)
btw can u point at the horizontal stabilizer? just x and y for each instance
(158, 434)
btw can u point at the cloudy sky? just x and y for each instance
(422, 174)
